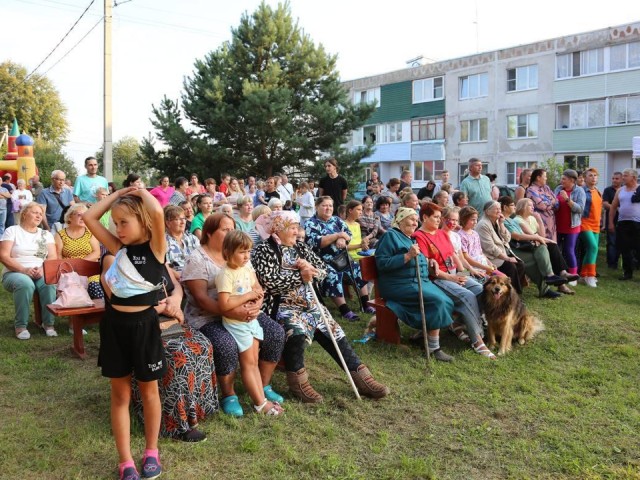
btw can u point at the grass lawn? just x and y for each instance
(564, 406)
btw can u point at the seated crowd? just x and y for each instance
(245, 262)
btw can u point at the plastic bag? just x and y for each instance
(72, 290)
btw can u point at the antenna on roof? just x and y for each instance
(415, 62)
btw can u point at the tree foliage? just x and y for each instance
(127, 158)
(49, 157)
(35, 102)
(267, 100)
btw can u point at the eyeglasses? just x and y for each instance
(59, 179)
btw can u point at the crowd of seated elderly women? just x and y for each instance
(453, 248)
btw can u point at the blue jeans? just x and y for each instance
(23, 287)
(465, 301)
(3, 218)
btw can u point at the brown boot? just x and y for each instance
(300, 387)
(367, 385)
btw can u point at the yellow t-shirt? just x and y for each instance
(235, 281)
(356, 239)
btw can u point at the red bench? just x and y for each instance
(387, 328)
(78, 317)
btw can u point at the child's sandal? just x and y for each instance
(275, 409)
(458, 330)
(483, 350)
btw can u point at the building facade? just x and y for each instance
(575, 99)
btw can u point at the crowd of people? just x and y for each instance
(245, 266)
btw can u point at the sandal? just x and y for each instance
(483, 350)
(274, 411)
(458, 330)
(566, 290)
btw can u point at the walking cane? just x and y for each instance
(327, 324)
(422, 314)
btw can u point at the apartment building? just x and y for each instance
(574, 98)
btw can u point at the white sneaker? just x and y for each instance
(23, 335)
(582, 280)
(590, 282)
(50, 332)
(573, 284)
(84, 332)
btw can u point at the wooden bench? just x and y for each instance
(387, 328)
(78, 317)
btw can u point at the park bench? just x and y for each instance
(78, 317)
(387, 328)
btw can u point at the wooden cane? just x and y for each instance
(422, 314)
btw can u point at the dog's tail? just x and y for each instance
(536, 325)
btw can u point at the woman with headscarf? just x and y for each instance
(286, 269)
(396, 257)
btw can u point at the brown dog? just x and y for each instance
(507, 315)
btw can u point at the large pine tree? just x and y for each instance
(268, 100)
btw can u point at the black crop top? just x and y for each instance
(146, 263)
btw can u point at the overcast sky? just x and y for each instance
(155, 43)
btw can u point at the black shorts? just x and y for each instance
(130, 342)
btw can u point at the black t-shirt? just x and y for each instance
(425, 192)
(10, 190)
(333, 187)
(269, 195)
(607, 196)
(146, 263)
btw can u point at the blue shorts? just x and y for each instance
(244, 333)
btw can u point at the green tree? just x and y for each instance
(267, 100)
(49, 157)
(35, 102)
(554, 171)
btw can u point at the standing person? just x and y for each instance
(129, 332)
(180, 192)
(405, 179)
(84, 189)
(544, 202)
(258, 198)
(613, 255)
(375, 179)
(55, 198)
(285, 189)
(521, 189)
(270, 191)
(237, 284)
(163, 192)
(627, 205)
(590, 227)
(333, 184)
(225, 179)
(20, 197)
(5, 196)
(306, 203)
(571, 200)
(444, 179)
(477, 186)
(9, 187)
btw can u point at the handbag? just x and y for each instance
(341, 261)
(522, 245)
(72, 289)
(170, 327)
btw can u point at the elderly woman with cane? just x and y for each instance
(396, 257)
(286, 268)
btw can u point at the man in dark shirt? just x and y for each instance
(607, 197)
(270, 190)
(6, 183)
(333, 185)
(405, 180)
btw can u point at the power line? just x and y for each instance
(63, 38)
(77, 43)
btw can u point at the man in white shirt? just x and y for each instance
(285, 189)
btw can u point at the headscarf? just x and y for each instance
(268, 225)
(401, 214)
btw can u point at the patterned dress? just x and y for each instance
(287, 298)
(545, 203)
(79, 248)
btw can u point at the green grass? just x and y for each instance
(564, 406)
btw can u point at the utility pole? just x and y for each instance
(107, 146)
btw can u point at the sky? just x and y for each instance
(156, 42)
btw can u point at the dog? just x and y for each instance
(507, 315)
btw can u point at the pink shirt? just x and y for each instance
(161, 195)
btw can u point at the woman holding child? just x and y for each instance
(203, 312)
(286, 269)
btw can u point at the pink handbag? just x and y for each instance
(72, 289)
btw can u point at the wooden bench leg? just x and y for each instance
(387, 328)
(78, 339)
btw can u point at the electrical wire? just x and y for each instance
(77, 43)
(63, 38)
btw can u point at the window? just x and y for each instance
(367, 96)
(428, 89)
(515, 168)
(474, 86)
(473, 130)
(592, 61)
(623, 110)
(581, 115)
(427, 129)
(589, 62)
(522, 78)
(427, 170)
(522, 126)
(389, 133)
(576, 162)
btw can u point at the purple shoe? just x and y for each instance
(352, 317)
